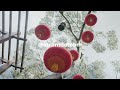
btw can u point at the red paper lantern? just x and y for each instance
(57, 59)
(75, 54)
(87, 36)
(42, 32)
(90, 19)
(78, 76)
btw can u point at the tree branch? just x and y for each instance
(74, 22)
(70, 28)
(81, 55)
(58, 76)
(83, 26)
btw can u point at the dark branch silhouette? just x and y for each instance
(70, 28)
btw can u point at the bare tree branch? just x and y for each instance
(70, 28)
(81, 31)
(74, 22)
(81, 55)
(83, 26)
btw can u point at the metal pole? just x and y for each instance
(18, 30)
(24, 43)
(10, 27)
(3, 30)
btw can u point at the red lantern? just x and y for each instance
(42, 32)
(75, 54)
(87, 36)
(57, 59)
(90, 19)
(78, 76)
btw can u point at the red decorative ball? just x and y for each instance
(78, 76)
(87, 36)
(75, 54)
(42, 32)
(57, 59)
(90, 19)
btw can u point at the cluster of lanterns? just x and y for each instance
(88, 35)
(59, 59)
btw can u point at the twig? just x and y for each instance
(70, 28)
(74, 22)
(83, 26)
(81, 55)
(81, 31)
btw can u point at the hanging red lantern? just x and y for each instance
(57, 59)
(75, 54)
(87, 36)
(78, 76)
(90, 19)
(42, 32)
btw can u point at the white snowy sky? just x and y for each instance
(107, 20)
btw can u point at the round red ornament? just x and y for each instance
(75, 54)
(87, 36)
(42, 32)
(57, 59)
(90, 19)
(78, 76)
